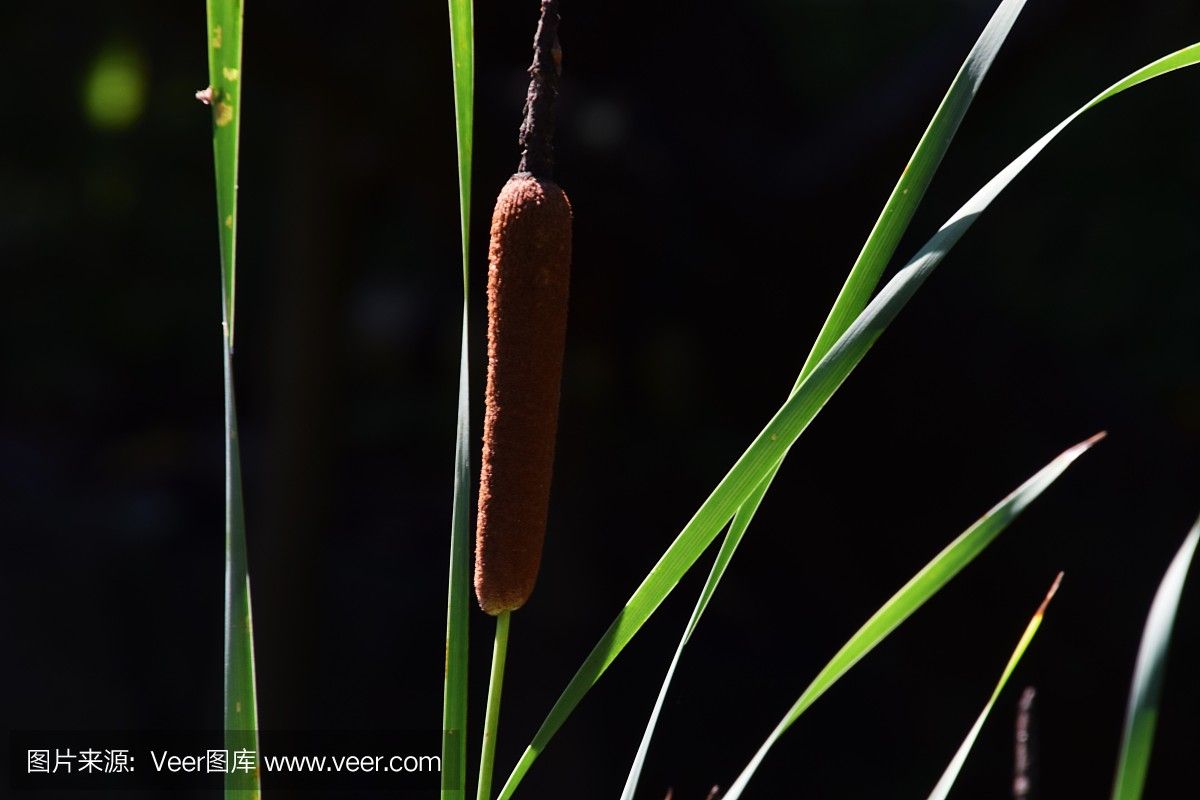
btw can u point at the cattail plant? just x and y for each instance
(529, 261)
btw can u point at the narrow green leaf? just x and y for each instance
(225, 98)
(241, 706)
(458, 593)
(729, 546)
(458, 598)
(926, 583)
(1141, 715)
(789, 422)
(914, 180)
(942, 789)
(224, 95)
(864, 276)
(462, 54)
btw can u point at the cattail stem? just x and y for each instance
(491, 719)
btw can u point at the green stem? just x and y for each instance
(491, 719)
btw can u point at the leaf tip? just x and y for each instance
(1053, 590)
(1075, 451)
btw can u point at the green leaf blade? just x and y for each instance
(462, 54)
(1141, 714)
(946, 782)
(864, 276)
(729, 545)
(240, 687)
(914, 594)
(458, 591)
(910, 189)
(224, 39)
(225, 84)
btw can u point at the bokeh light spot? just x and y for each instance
(114, 92)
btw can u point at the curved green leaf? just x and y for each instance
(864, 276)
(926, 583)
(914, 180)
(1141, 715)
(942, 789)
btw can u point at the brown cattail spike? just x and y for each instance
(528, 273)
(529, 265)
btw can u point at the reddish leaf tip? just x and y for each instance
(1053, 590)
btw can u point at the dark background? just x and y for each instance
(725, 162)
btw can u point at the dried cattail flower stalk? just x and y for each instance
(1024, 746)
